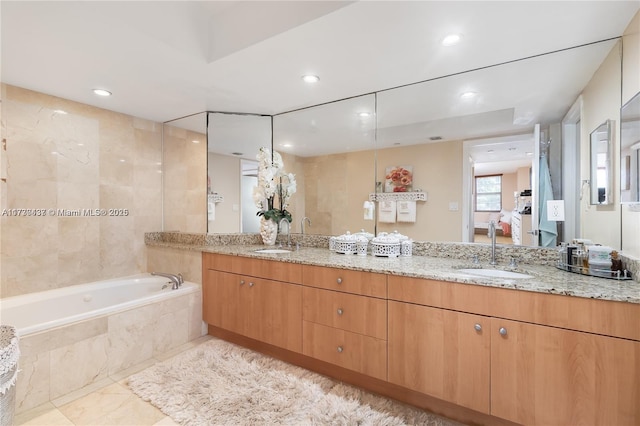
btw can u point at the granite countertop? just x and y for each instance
(545, 279)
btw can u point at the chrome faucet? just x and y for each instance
(177, 280)
(302, 223)
(492, 235)
(284, 219)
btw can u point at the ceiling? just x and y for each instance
(163, 59)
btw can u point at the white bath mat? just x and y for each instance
(218, 383)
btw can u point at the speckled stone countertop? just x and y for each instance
(545, 279)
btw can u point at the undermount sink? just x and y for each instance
(273, 251)
(494, 273)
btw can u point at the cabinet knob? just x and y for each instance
(241, 282)
(340, 349)
(340, 311)
(251, 284)
(478, 327)
(339, 280)
(503, 331)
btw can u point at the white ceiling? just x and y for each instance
(163, 59)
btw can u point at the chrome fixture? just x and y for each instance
(492, 235)
(513, 263)
(177, 280)
(284, 219)
(302, 224)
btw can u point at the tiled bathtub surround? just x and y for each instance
(65, 155)
(59, 361)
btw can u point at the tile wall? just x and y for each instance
(65, 155)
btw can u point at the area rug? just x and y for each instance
(219, 383)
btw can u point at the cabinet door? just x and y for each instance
(549, 376)
(221, 301)
(274, 312)
(440, 353)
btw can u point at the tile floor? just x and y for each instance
(107, 402)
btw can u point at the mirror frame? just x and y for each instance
(599, 197)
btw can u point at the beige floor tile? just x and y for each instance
(63, 400)
(43, 415)
(121, 376)
(167, 421)
(112, 405)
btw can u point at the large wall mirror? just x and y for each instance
(447, 130)
(601, 166)
(630, 151)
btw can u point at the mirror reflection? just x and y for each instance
(630, 151)
(601, 171)
(331, 150)
(233, 143)
(447, 133)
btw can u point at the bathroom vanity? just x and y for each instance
(476, 349)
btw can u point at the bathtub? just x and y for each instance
(75, 336)
(31, 313)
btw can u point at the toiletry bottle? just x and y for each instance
(616, 264)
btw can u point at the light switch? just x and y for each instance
(453, 206)
(235, 207)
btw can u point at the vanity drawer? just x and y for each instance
(262, 268)
(364, 354)
(357, 282)
(358, 314)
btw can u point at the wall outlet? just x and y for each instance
(235, 207)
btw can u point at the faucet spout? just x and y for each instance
(177, 280)
(492, 235)
(302, 223)
(285, 220)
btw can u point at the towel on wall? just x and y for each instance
(387, 212)
(369, 207)
(211, 210)
(406, 211)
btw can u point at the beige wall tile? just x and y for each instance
(85, 173)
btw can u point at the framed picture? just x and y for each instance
(398, 179)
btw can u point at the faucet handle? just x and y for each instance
(475, 259)
(513, 263)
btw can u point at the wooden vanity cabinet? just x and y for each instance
(441, 353)
(343, 324)
(516, 367)
(262, 309)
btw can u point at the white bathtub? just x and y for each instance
(31, 313)
(75, 336)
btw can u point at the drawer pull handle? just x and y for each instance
(340, 311)
(339, 280)
(503, 331)
(478, 327)
(340, 349)
(241, 282)
(251, 284)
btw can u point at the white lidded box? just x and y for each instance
(600, 254)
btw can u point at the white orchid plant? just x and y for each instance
(274, 184)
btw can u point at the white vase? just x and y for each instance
(268, 231)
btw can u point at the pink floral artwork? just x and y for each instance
(398, 179)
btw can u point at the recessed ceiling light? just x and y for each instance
(102, 92)
(309, 78)
(61, 112)
(286, 145)
(364, 114)
(468, 95)
(195, 141)
(451, 39)
(122, 160)
(529, 153)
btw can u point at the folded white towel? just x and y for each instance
(406, 211)
(211, 211)
(369, 207)
(387, 212)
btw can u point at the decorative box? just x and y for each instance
(386, 245)
(346, 244)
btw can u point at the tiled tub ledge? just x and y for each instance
(438, 261)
